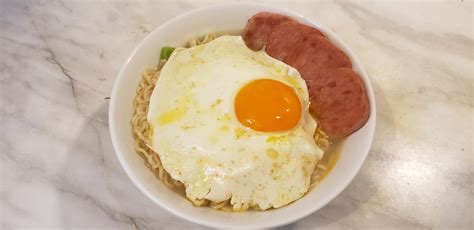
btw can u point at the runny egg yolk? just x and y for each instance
(267, 105)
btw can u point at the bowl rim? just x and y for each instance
(275, 223)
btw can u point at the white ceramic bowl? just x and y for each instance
(227, 17)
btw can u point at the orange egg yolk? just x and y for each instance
(267, 105)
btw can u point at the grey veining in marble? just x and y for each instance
(59, 60)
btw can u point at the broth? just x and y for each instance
(330, 158)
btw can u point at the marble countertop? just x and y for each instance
(59, 60)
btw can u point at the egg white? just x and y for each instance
(202, 144)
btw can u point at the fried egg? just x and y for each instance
(232, 123)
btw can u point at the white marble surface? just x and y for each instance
(59, 60)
